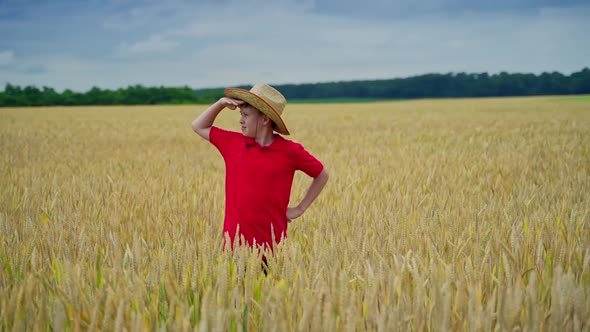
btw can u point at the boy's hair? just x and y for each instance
(274, 125)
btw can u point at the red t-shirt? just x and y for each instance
(258, 183)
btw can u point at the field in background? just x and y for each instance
(439, 214)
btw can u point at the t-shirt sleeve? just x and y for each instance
(306, 162)
(222, 139)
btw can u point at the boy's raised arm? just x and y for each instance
(202, 124)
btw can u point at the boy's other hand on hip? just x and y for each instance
(294, 213)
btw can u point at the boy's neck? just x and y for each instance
(266, 138)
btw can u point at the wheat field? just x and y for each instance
(458, 215)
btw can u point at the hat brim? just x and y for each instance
(261, 105)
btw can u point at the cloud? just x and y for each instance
(154, 44)
(400, 9)
(291, 47)
(6, 58)
(9, 65)
(220, 43)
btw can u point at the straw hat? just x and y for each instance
(266, 99)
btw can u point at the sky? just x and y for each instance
(220, 43)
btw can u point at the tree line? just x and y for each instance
(132, 95)
(450, 85)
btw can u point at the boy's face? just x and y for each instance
(250, 117)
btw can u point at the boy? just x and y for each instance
(260, 165)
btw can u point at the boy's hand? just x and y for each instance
(294, 213)
(230, 103)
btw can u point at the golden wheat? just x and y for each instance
(439, 215)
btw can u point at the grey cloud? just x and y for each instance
(206, 45)
(34, 69)
(400, 9)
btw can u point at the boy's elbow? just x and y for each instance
(195, 126)
(203, 132)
